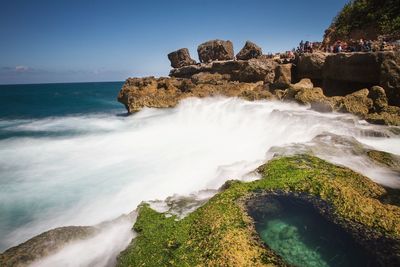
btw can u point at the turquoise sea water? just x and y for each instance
(297, 232)
(21, 104)
(42, 112)
(61, 99)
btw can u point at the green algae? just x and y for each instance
(220, 233)
(286, 240)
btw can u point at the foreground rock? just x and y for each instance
(215, 50)
(221, 233)
(180, 58)
(44, 244)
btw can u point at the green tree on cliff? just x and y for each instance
(370, 18)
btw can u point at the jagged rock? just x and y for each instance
(252, 70)
(283, 76)
(303, 84)
(345, 73)
(138, 93)
(310, 65)
(180, 58)
(353, 67)
(293, 89)
(390, 76)
(356, 103)
(378, 96)
(310, 95)
(210, 78)
(43, 244)
(249, 51)
(215, 50)
(389, 115)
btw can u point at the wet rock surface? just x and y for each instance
(44, 244)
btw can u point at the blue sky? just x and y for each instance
(70, 41)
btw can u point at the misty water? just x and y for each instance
(89, 166)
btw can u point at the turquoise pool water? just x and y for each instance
(297, 232)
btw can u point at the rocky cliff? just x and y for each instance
(365, 84)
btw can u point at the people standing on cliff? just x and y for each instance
(301, 46)
(369, 45)
(383, 45)
(361, 45)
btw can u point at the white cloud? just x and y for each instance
(21, 68)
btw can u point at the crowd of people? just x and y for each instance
(356, 46)
(347, 46)
(306, 47)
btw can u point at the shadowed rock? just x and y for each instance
(283, 76)
(249, 51)
(180, 58)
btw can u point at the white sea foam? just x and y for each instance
(98, 167)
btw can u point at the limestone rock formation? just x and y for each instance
(390, 76)
(357, 103)
(360, 68)
(249, 51)
(215, 50)
(283, 76)
(378, 96)
(253, 70)
(138, 93)
(344, 73)
(180, 58)
(310, 65)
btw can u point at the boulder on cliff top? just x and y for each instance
(180, 58)
(215, 50)
(249, 51)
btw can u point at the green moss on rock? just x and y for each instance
(220, 233)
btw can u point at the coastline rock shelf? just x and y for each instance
(366, 84)
(223, 231)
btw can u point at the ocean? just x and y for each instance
(69, 155)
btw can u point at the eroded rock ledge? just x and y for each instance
(365, 84)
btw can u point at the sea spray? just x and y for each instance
(83, 170)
